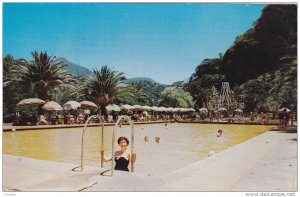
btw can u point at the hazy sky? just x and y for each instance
(165, 42)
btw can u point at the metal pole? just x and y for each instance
(83, 137)
(102, 143)
(132, 143)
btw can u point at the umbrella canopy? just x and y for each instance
(162, 109)
(282, 109)
(169, 109)
(30, 102)
(146, 107)
(71, 105)
(88, 105)
(183, 109)
(176, 109)
(113, 107)
(154, 108)
(222, 109)
(203, 110)
(127, 107)
(239, 110)
(52, 106)
(137, 107)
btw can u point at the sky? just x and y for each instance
(165, 42)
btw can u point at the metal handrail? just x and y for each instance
(83, 139)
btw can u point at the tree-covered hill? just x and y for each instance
(266, 55)
(149, 87)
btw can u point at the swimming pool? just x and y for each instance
(180, 144)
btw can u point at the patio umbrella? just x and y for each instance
(71, 105)
(146, 107)
(137, 107)
(183, 109)
(169, 109)
(113, 107)
(176, 109)
(30, 102)
(203, 110)
(162, 109)
(239, 110)
(154, 108)
(282, 109)
(88, 105)
(222, 109)
(127, 107)
(52, 106)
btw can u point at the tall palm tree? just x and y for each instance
(43, 74)
(103, 86)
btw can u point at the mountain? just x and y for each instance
(75, 68)
(149, 87)
(139, 79)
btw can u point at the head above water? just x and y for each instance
(157, 139)
(123, 138)
(146, 138)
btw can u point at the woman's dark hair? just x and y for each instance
(220, 131)
(123, 138)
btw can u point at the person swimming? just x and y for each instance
(146, 138)
(219, 133)
(157, 140)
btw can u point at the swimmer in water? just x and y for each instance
(157, 140)
(219, 133)
(146, 138)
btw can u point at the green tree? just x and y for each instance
(103, 86)
(13, 90)
(42, 75)
(132, 94)
(176, 97)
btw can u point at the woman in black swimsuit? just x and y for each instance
(122, 157)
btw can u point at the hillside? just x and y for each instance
(148, 86)
(75, 68)
(261, 64)
(139, 79)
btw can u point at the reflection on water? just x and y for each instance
(180, 144)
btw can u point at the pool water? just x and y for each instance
(180, 143)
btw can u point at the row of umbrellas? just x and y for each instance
(155, 108)
(73, 105)
(88, 105)
(54, 106)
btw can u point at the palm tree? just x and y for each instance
(43, 74)
(132, 94)
(103, 86)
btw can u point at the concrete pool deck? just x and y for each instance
(267, 162)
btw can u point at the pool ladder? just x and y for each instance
(133, 155)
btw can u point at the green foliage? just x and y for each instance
(42, 75)
(132, 94)
(176, 97)
(262, 63)
(147, 87)
(103, 86)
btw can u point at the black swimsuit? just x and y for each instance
(121, 164)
